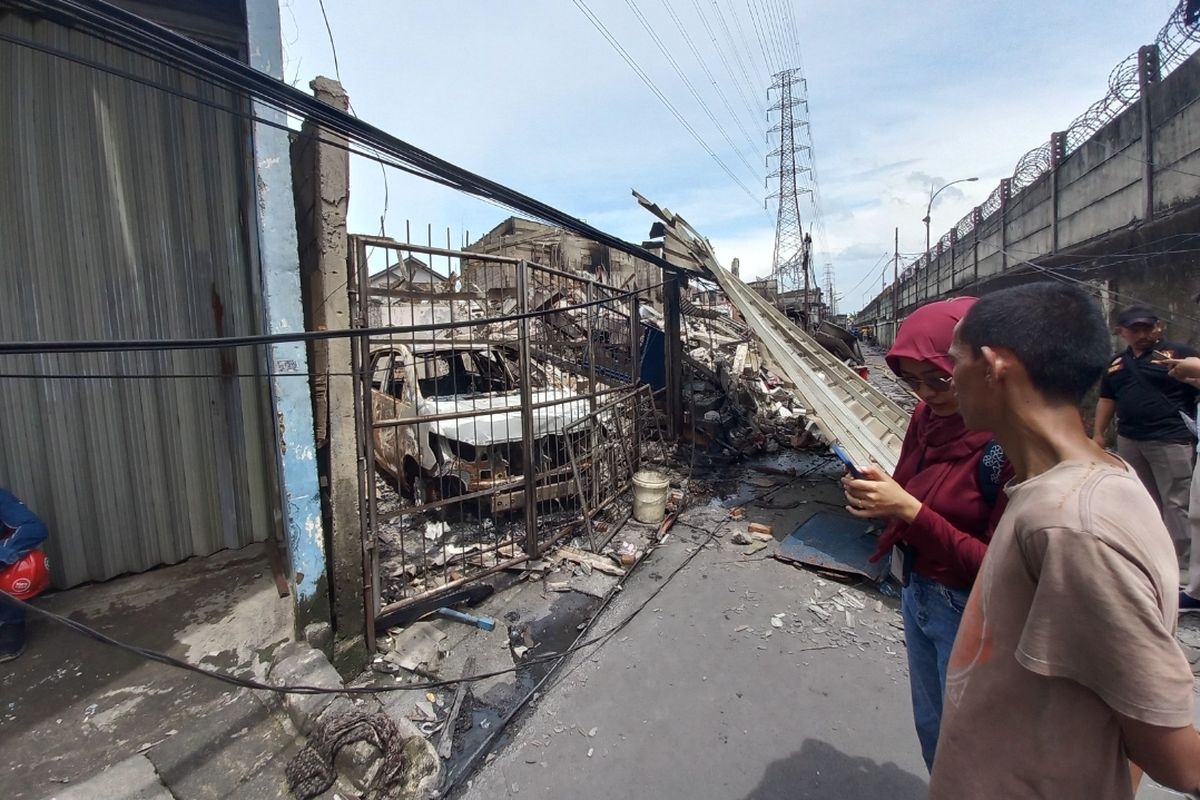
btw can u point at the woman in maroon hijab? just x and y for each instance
(941, 506)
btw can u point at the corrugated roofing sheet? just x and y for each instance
(123, 216)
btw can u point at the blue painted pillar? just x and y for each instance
(280, 273)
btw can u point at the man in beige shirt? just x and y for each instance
(1065, 668)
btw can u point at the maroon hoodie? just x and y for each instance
(940, 465)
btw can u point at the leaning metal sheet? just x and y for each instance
(843, 406)
(837, 543)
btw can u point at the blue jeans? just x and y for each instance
(931, 614)
(10, 614)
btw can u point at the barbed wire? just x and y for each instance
(1176, 41)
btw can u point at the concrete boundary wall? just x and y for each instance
(1117, 182)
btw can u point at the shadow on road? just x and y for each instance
(819, 771)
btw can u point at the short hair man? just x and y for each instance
(1150, 408)
(1066, 667)
(1188, 371)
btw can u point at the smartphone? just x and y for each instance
(844, 457)
(1158, 355)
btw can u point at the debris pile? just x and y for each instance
(735, 400)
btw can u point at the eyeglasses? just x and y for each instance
(939, 383)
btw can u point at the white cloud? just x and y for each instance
(531, 95)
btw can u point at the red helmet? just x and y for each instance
(27, 578)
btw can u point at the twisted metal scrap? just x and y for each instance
(311, 771)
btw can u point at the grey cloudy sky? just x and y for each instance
(529, 93)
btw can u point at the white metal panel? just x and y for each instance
(124, 217)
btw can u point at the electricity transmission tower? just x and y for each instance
(831, 298)
(790, 266)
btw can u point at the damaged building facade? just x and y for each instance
(559, 249)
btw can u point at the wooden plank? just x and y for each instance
(598, 563)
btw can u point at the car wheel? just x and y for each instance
(419, 493)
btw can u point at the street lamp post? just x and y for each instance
(929, 210)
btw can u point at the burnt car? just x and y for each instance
(462, 429)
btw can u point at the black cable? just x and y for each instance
(683, 76)
(249, 683)
(749, 84)
(646, 79)
(129, 31)
(217, 342)
(703, 65)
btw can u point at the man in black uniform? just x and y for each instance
(1152, 411)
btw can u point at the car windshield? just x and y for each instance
(462, 373)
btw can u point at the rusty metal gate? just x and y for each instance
(480, 404)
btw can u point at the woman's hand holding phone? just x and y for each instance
(875, 495)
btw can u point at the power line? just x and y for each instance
(771, 29)
(1095, 289)
(754, 85)
(737, 54)
(871, 272)
(598, 25)
(761, 39)
(688, 83)
(129, 31)
(708, 73)
(251, 340)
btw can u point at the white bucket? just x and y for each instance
(650, 496)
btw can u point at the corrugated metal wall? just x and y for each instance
(123, 215)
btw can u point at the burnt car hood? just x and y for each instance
(503, 427)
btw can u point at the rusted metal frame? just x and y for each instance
(470, 336)
(424, 555)
(592, 420)
(358, 287)
(388, 243)
(635, 368)
(527, 443)
(450, 586)
(557, 272)
(622, 440)
(467, 342)
(583, 500)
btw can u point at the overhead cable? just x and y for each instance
(129, 31)
(646, 79)
(662, 47)
(750, 90)
(712, 80)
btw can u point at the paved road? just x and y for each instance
(695, 700)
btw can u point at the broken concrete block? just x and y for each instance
(761, 532)
(319, 636)
(358, 765)
(303, 666)
(741, 537)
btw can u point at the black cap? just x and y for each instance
(1137, 315)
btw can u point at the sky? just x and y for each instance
(531, 94)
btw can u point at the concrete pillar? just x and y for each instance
(953, 265)
(1005, 197)
(279, 267)
(977, 220)
(1058, 152)
(1148, 75)
(322, 180)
